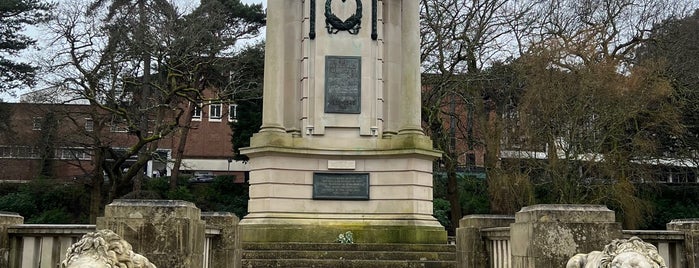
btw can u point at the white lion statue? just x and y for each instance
(103, 249)
(620, 253)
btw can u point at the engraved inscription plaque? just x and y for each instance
(343, 84)
(341, 186)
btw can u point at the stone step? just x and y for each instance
(350, 247)
(305, 263)
(349, 255)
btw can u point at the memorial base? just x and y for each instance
(328, 232)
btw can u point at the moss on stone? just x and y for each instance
(328, 233)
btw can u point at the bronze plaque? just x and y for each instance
(343, 84)
(341, 186)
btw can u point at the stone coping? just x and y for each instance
(564, 207)
(218, 214)
(690, 220)
(75, 229)
(486, 221)
(9, 214)
(564, 213)
(489, 216)
(151, 203)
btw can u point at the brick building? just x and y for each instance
(55, 140)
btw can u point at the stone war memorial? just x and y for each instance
(341, 147)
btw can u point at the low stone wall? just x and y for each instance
(548, 235)
(169, 233)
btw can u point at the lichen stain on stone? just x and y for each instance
(560, 242)
(136, 215)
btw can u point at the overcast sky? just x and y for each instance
(36, 34)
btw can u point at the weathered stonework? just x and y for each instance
(690, 228)
(313, 115)
(103, 249)
(470, 249)
(620, 253)
(225, 249)
(7, 219)
(170, 233)
(548, 235)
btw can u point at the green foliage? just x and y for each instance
(22, 203)
(52, 216)
(441, 209)
(14, 16)
(222, 194)
(473, 197)
(670, 202)
(47, 201)
(181, 193)
(250, 66)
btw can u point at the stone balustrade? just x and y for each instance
(548, 235)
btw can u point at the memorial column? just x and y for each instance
(410, 97)
(273, 96)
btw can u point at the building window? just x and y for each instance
(89, 125)
(72, 154)
(36, 123)
(196, 114)
(215, 112)
(233, 112)
(19, 152)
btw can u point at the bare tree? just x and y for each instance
(459, 39)
(589, 117)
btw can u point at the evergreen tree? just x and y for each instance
(14, 16)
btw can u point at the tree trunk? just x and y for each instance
(96, 190)
(181, 145)
(145, 94)
(453, 193)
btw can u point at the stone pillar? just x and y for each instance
(170, 233)
(470, 250)
(548, 235)
(410, 97)
(224, 251)
(274, 82)
(7, 219)
(690, 228)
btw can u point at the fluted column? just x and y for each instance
(273, 96)
(411, 91)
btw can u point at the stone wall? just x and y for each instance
(7, 219)
(170, 233)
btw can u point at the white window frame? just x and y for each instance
(233, 112)
(72, 153)
(197, 113)
(89, 124)
(212, 116)
(36, 123)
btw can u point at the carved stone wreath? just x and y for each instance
(335, 24)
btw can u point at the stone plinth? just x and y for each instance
(341, 100)
(548, 235)
(7, 219)
(690, 228)
(225, 248)
(470, 249)
(169, 233)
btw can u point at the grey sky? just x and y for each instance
(34, 33)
